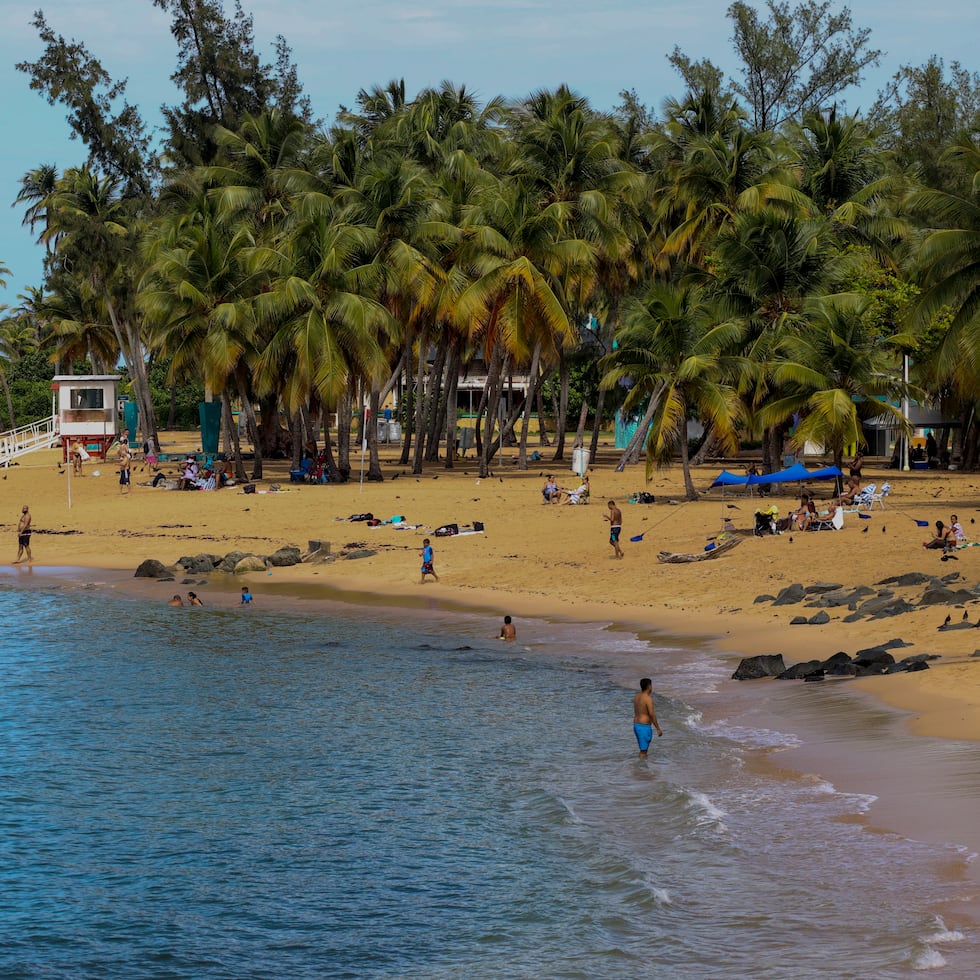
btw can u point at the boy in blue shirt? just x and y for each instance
(246, 596)
(427, 557)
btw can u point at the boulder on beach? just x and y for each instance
(151, 568)
(250, 563)
(764, 665)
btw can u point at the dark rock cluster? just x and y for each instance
(237, 562)
(879, 602)
(865, 663)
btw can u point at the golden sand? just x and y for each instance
(551, 561)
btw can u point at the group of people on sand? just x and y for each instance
(553, 493)
(947, 536)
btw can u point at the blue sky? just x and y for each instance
(507, 47)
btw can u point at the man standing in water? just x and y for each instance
(24, 534)
(615, 518)
(508, 631)
(645, 717)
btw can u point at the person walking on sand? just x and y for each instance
(24, 535)
(124, 471)
(645, 717)
(615, 518)
(427, 559)
(508, 631)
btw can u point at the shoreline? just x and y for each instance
(904, 784)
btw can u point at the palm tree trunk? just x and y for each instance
(690, 492)
(343, 432)
(562, 415)
(420, 402)
(543, 439)
(251, 422)
(632, 452)
(451, 413)
(232, 431)
(597, 424)
(434, 410)
(533, 384)
(492, 400)
(374, 473)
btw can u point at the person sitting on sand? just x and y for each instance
(850, 491)
(580, 494)
(804, 517)
(189, 476)
(956, 530)
(551, 491)
(943, 537)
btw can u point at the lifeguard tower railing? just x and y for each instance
(25, 439)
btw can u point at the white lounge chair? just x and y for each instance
(879, 497)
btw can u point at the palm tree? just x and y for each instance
(674, 349)
(834, 374)
(36, 188)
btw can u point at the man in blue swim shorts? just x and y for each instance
(615, 518)
(645, 717)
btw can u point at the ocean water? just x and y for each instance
(208, 793)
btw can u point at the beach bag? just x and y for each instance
(478, 525)
(645, 498)
(374, 522)
(248, 488)
(360, 517)
(446, 531)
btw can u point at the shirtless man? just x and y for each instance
(24, 534)
(508, 631)
(615, 518)
(645, 717)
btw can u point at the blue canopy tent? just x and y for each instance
(796, 473)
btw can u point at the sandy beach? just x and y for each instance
(550, 561)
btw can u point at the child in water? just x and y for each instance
(246, 596)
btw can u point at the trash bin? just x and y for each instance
(382, 430)
(394, 431)
(580, 461)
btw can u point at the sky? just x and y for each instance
(504, 47)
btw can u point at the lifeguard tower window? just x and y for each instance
(88, 398)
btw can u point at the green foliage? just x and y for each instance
(187, 395)
(795, 60)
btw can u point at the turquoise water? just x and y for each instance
(209, 794)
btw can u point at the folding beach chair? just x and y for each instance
(832, 523)
(879, 497)
(865, 496)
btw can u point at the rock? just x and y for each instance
(151, 568)
(360, 553)
(872, 658)
(886, 607)
(853, 618)
(285, 557)
(934, 596)
(250, 563)
(894, 644)
(228, 563)
(196, 565)
(976, 653)
(859, 591)
(952, 577)
(798, 621)
(817, 675)
(956, 626)
(764, 665)
(820, 618)
(909, 578)
(764, 598)
(843, 668)
(819, 587)
(789, 596)
(797, 671)
(919, 665)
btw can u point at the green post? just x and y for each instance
(210, 414)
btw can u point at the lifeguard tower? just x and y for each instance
(87, 411)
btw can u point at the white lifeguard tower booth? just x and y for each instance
(87, 411)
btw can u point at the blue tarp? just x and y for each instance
(793, 474)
